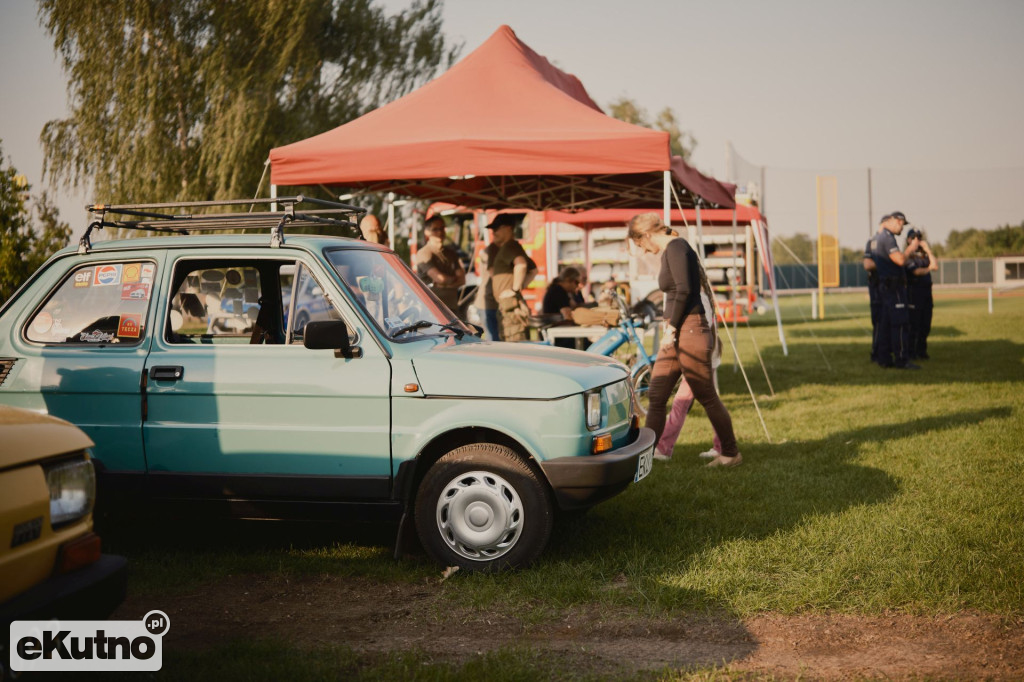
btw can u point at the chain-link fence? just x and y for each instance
(952, 272)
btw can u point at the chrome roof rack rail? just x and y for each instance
(187, 217)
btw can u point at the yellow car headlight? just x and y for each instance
(72, 487)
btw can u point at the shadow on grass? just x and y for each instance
(801, 330)
(168, 554)
(970, 362)
(684, 510)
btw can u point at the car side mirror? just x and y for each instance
(330, 334)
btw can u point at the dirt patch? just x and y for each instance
(373, 617)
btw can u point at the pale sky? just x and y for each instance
(927, 93)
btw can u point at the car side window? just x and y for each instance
(309, 303)
(223, 302)
(106, 303)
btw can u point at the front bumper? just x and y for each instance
(580, 482)
(89, 593)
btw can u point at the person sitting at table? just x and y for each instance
(560, 299)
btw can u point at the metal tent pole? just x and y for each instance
(666, 197)
(734, 277)
(391, 221)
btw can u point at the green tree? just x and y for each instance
(1006, 240)
(799, 248)
(15, 233)
(183, 99)
(682, 143)
(24, 246)
(50, 233)
(848, 255)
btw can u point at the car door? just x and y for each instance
(82, 349)
(237, 408)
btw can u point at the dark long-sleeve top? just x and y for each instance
(680, 280)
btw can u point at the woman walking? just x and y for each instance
(687, 342)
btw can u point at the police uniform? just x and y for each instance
(894, 318)
(919, 297)
(876, 302)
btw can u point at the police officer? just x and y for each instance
(876, 302)
(920, 264)
(893, 319)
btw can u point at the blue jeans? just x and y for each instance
(491, 321)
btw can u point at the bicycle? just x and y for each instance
(626, 331)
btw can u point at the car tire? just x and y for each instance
(481, 507)
(641, 387)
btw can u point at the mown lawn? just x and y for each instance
(879, 491)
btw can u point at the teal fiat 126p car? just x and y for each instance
(286, 375)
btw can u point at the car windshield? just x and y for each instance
(392, 295)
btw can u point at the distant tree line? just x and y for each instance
(1007, 240)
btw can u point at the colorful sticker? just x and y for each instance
(106, 275)
(96, 337)
(147, 270)
(130, 326)
(42, 323)
(135, 292)
(132, 272)
(83, 277)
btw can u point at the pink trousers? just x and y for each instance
(677, 417)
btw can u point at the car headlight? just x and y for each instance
(593, 404)
(72, 490)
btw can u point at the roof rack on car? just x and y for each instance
(171, 218)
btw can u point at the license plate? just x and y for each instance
(645, 464)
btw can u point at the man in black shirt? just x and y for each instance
(560, 299)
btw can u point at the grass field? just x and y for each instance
(880, 491)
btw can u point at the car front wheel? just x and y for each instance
(482, 508)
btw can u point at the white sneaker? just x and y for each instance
(723, 461)
(659, 455)
(709, 454)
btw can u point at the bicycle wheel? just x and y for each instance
(641, 377)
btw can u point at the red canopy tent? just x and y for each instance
(502, 128)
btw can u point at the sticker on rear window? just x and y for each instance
(129, 326)
(42, 323)
(132, 272)
(83, 278)
(106, 275)
(96, 337)
(135, 292)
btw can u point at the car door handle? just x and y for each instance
(166, 372)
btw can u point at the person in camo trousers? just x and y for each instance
(509, 270)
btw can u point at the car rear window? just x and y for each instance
(99, 304)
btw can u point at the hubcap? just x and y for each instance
(479, 515)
